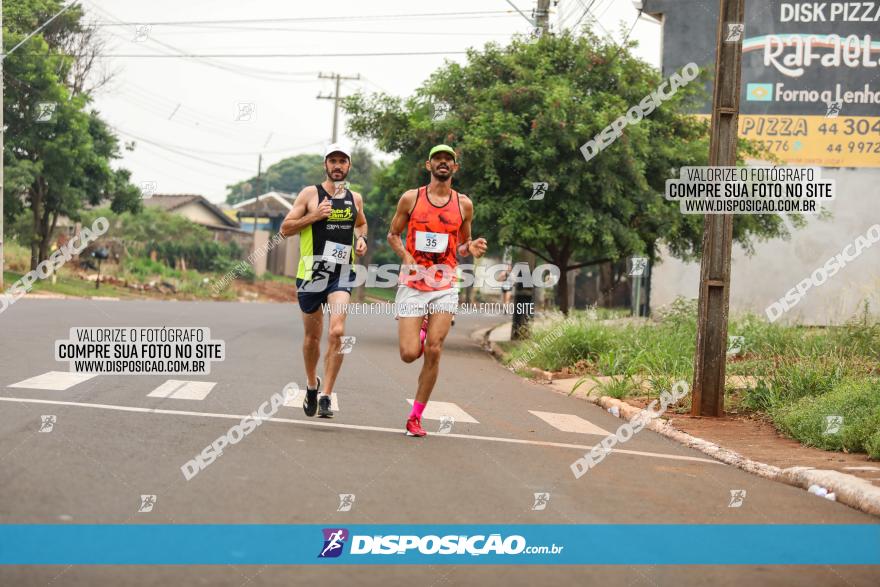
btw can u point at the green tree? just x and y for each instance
(288, 175)
(519, 114)
(57, 157)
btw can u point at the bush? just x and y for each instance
(858, 402)
(171, 237)
(144, 269)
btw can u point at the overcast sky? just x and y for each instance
(183, 112)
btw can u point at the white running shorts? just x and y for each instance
(411, 303)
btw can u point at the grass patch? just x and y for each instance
(803, 373)
(383, 293)
(268, 276)
(69, 285)
(857, 402)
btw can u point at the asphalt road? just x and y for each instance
(107, 449)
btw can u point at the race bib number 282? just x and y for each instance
(336, 252)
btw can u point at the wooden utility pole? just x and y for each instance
(335, 97)
(257, 199)
(714, 304)
(522, 295)
(542, 16)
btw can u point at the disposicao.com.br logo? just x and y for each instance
(431, 544)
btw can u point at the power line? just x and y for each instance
(334, 18)
(626, 38)
(222, 30)
(586, 11)
(531, 21)
(41, 27)
(254, 73)
(225, 153)
(178, 151)
(256, 55)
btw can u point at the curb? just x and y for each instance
(849, 489)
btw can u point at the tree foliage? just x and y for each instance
(288, 175)
(57, 158)
(518, 115)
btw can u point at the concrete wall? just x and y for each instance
(261, 237)
(199, 214)
(778, 265)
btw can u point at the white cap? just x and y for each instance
(337, 148)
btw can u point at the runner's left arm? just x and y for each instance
(360, 227)
(476, 247)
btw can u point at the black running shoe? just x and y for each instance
(310, 404)
(324, 410)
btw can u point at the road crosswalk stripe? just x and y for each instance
(54, 380)
(570, 423)
(175, 389)
(295, 400)
(436, 411)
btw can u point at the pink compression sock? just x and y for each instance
(418, 408)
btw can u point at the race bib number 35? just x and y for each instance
(431, 242)
(336, 252)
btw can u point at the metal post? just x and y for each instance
(714, 303)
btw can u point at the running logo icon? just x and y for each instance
(541, 501)
(47, 423)
(639, 264)
(735, 344)
(334, 541)
(446, 424)
(347, 343)
(539, 189)
(148, 188)
(147, 503)
(737, 497)
(834, 109)
(832, 424)
(346, 502)
(735, 31)
(45, 111)
(245, 112)
(142, 33)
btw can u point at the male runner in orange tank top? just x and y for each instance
(438, 227)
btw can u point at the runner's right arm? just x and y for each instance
(300, 216)
(398, 224)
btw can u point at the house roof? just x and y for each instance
(268, 204)
(171, 202)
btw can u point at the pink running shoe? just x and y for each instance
(414, 427)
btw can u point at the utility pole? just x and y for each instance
(711, 355)
(525, 298)
(335, 97)
(257, 199)
(542, 16)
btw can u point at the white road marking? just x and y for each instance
(436, 411)
(175, 389)
(296, 400)
(570, 423)
(54, 380)
(398, 431)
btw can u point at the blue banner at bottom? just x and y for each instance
(488, 544)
